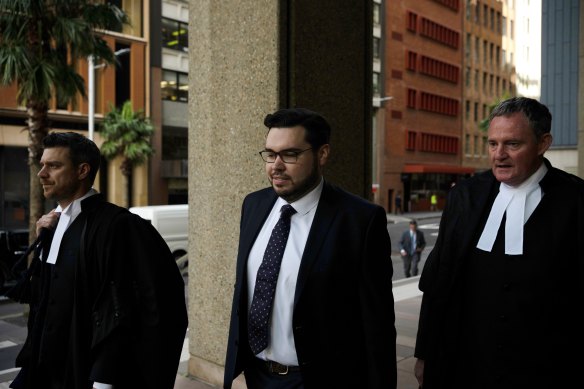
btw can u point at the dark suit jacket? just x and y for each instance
(550, 295)
(405, 242)
(343, 318)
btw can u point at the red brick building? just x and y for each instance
(422, 120)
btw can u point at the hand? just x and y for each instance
(403, 252)
(48, 221)
(419, 371)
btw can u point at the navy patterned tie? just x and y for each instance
(266, 280)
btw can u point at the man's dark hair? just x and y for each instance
(81, 149)
(318, 131)
(537, 114)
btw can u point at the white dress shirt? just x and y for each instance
(281, 347)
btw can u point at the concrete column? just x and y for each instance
(248, 58)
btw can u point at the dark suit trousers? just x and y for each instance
(411, 264)
(258, 377)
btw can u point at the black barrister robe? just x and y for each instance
(531, 308)
(127, 320)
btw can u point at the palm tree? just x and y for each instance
(40, 43)
(127, 133)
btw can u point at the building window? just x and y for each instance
(476, 112)
(477, 49)
(504, 26)
(467, 77)
(468, 10)
(484, 148)
(175, 86)
(412, 61)
(486, 15)
(439, 33)
(492, 19)
(476, 145)
(174, 34)
(477, 17)
(376, 48)
(511, 28)
(476, 79)
(438, 69)
(467, 110)
(438, 104)
(411, 140)
(467, 144)
(434, 143)
(411, 98)
(412, 20)
(376, 84)
(377, 14)
(485, 52)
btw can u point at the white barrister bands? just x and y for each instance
(519, 203)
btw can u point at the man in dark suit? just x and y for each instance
(411, 245)
(504, 285)
(313, 305)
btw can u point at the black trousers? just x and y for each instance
(258, 377)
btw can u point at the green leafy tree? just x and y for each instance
(40, 43)
(127, 133)
(484, 124)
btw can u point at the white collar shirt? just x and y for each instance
(68, 216)
(281, 347)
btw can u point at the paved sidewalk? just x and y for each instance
(407, 308)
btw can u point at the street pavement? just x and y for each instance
(407, 307)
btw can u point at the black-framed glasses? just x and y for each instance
(287, 156)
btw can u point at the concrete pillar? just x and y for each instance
(248, 58)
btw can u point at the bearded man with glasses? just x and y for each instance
(313, 305)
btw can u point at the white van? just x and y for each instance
(171, 221)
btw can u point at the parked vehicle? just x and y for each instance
(13, 243)
(171, 221)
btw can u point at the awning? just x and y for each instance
(430, 168)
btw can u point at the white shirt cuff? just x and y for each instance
(98, 385)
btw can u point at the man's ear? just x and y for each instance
(544, 143)
(323, 154)
(83, 171)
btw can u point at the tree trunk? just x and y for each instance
(38, 128)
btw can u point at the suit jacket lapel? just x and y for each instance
(255, 216)
(325, 215)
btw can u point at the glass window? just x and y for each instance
(376, 13)
(174, 34)
(376, 48)
(376, 84)
(175, 86)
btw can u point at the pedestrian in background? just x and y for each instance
(107, 307)
(503, 303)
(398, 204)
(313, 303)
(434, 202)
(411, 245)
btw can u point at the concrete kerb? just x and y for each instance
(407, 217)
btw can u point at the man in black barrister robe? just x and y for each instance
(107, 305)
(503, 303)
